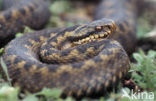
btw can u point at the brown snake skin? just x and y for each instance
(78, 59)
(20, 13)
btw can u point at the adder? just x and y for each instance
(83, 60)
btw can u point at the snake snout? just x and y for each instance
(112, 26)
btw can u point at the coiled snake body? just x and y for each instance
(78, 59)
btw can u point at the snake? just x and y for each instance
(83, 60)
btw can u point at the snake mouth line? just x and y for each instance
(87, 39)
(93, 37)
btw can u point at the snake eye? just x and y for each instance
(98, 28)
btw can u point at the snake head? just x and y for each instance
(95, 30)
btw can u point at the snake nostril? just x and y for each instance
(112, 26)
(109, 27)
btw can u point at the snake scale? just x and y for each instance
(83, 60)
